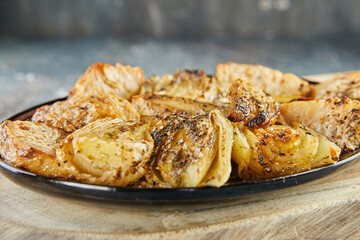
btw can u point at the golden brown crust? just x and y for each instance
(79, 111)
(269, 80)
(252, 106)
(123, 81)
(32, 146)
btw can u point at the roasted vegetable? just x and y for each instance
(341, 85)
(191, 151)
(111, 150)
(193, 84)
(252, 106)
(187, 129)
(32, 146)
(163, 105)
(123, 81)
(280, 150)
(337, 119)
(269, 80)
(76, 112)
(220, 168)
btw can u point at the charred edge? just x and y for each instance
(258, 121)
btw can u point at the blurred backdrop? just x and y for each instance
(46, 44)
(184, 18)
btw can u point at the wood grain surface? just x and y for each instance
(327, 208)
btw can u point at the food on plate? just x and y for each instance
(341, 85)
(269, 80)
(78, 111)
(280, 150)
(187, 129)
(163, 105)
(32, 146)
(220, 169)
(252, 106)
(191, 151)
(123, 81)
(111, 151)
(193, 84)
(337, 119)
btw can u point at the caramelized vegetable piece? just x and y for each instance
(220, 168)
(193, 84)
(269, 80)
(123, 81)
(252, 106)
(342, 85)
(78, 111)
(32, 146)
(185, 150)
(280, 150)
(111, 151)
(337, 119)
(163, 105)
(188, 152)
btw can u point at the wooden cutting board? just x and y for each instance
(328, 208)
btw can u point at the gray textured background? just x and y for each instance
(180, 18)
(46, 45)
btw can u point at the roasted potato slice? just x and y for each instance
(123, 81)
(252, 106)
(163, 105)
(32, 146)
(111, 151)
(280, 150)
(189, 152)
(269, 80)
(78, 111)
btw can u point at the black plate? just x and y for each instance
(90, 191)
